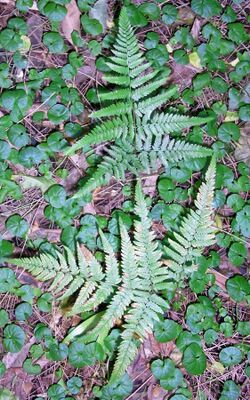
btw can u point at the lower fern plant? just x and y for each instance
(138, 134)
(129, 286)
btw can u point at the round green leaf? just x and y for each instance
(236, 202)
(228, 131)
(17, 225)
(56, 196)
(186, 338)
(58, 113)
(4, 318)
(167, 330)
(13, 338)
(150, 10)
(18, 135)
(152, 40)
(206, 9)
(230, 356)
(23, 311)
(219, 85)
(44, 302)
(169, 14)
(238, 288)
(29, 155)
(74, 384)
(57, 352)
(54, 42)
(56, 392)
(4, 150)
(194, 359)
(8, 280)
(81, 354)
(169, 376)
(210, 336)
(237, 253)
(55, 12)
(91, 26)
(30, 368)
(2, 370)
(230, 391)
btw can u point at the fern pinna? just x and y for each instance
(130, 289)
(138, 134)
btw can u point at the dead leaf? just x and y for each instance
(15, 360)
(242, 152)
(28, 182)
(71, 22)
(185, 16)
(196, 28)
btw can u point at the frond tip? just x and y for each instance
(129, 120)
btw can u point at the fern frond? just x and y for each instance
(130, 285)
(133, 125)
(120, 108)
(196, 229)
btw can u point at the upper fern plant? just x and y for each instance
(139, 135)
(130, 288)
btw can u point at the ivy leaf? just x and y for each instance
(238, 288)
(194, 359)
(230, 356)
(13, 338)
(166, 330)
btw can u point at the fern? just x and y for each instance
(130, 117)
(131, 288)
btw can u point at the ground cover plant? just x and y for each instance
(124, 198)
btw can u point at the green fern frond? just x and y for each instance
(130, 285)
(129, 108)
(196, 229)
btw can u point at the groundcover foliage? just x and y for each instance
(149, 99)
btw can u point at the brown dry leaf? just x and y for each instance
(15, 360)
(71, 22)
(196, 28)
(242, 151)
(86, 252)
